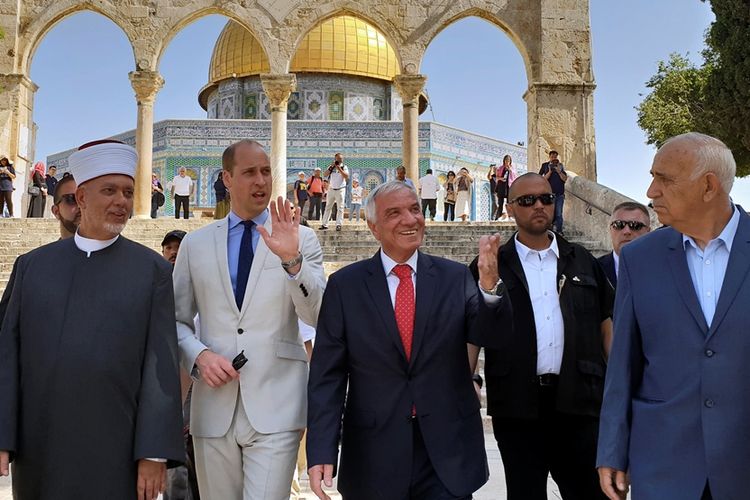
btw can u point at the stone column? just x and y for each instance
(410, 87)
(146, 84)
(561, 117)
(278, 88)
(17, 132)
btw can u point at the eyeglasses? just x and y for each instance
(528, 200)
(634, 225)
(69, 199)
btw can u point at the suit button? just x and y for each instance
(709, 353)
(240, 331)
(709, 403)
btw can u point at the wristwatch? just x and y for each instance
(291, 263)
(494, 289)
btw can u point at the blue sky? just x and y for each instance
(475, 75)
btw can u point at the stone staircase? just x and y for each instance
(456, 241)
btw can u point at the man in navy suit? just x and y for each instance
(391, 357)
(677, 392)
(629, 220)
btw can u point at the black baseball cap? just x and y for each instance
(177, 234)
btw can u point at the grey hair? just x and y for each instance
(711, 155)
(381, 189)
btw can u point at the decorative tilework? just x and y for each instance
(358, 107)
(264, 111)
(336, 105)
(251, 106)
(226, 109)
(315, 105)
(397, 107)
(484, 203)
(378, 109)
(293, 111)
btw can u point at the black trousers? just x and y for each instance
(554, 443)
(449, 211)
(315, 201)
(302, 207)
(184, 202)
(431, 205)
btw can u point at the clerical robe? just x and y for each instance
(88, 370)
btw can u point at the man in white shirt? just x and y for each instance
(545, 383)
(337, 175)
(428, 190)
(182, 189)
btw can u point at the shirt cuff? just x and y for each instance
(160, 460)
(490, 299)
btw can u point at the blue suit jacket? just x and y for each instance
(676, 409)
(359, 369)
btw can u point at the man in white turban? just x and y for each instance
(89, 389)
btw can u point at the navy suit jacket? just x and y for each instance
(676, 409)
(359, 370)
(608, 264)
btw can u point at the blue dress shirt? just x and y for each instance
(708, 266)
(235, 237)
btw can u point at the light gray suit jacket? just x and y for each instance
(273, 382)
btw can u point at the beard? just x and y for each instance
(114, 228)
(70, 226)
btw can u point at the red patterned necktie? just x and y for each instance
(405, 306)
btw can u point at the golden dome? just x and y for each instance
(342, 45)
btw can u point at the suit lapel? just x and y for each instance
(381, 298)
(427, 283)
(259, 261)
(737, 268)
(510, 258)
(678, 264)
(222, 261)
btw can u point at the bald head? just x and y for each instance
(702, 154)
(525, 182)
(228, 158)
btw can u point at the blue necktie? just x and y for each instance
(244, 262)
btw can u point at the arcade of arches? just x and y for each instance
(552, 36)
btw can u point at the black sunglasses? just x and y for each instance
(528, 200)
(70, 199)
(634, 225)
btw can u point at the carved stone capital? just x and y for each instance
(278, 88)
(146, 84)
(410, 87)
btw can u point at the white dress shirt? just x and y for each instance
(616, 258)
(337, 180)
(182, 185)
(392, 279)
(708, 266)
(428, 187)
(540, 269)
(88, 245)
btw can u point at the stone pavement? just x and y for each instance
(493, 490)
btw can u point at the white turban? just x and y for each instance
(103, 159)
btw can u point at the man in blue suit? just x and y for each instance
(677, 392)
(391, 357)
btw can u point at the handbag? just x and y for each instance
(160, 199)
(34, 190)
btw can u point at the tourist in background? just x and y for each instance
(356, 200)
(463, 194)
(37, 191)
(629, 220)
(157, 195)
(300, 192)
(505, 177)
(554, 172)
(492, 178)
(222, 197)
(401, 176)
(337, 175)
(315, 188)
(182, 189)
(50, 180)
(449, 203)
(7, 175)
(428, 191)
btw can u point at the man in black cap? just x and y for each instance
(170, 245)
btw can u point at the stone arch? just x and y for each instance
(526, 44)
(181, 23)
(34, 33)
(352, 9)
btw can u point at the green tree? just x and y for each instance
(675, 104)
(713, 98)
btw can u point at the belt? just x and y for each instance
(547, 379)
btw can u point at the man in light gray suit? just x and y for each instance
(249, 276)
(677, 393)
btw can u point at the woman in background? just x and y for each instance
(38, 191)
